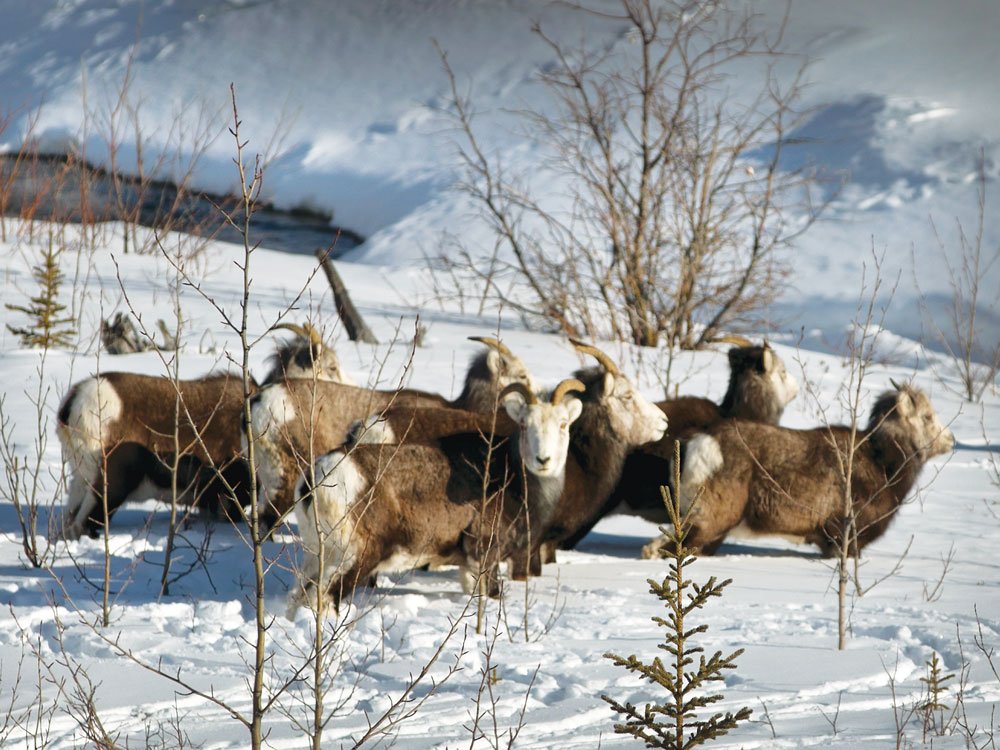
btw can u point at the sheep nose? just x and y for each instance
(542, 461)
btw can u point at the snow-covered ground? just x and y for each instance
(353, 88)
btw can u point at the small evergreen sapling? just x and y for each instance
(47, 328)
(933, 709)
(675, 723)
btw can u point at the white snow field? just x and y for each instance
(353, 88)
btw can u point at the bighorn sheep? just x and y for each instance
(467, 498)
(117, 430)
(759, 390)
(616, 419)
(774, 480)
(295, 422)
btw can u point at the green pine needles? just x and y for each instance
(49, 327)
(675, 723)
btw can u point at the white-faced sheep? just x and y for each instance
(466, 498)
(762, 479)
(120, 431)
(295, 422)
(759, 390)
(616, 419)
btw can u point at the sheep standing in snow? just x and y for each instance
(118, 432)
(466, 498)
(759, 390)
(762, 479)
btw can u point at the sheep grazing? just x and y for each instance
(616, 419)
(117, 431)
(759, 390)
(467, 498)
(297, 421)
(764, 479)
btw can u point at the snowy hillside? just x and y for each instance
(345, 98)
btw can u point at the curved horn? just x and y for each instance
(731, 338)
(494, 343)
(521, 388)
(296, 329)
(566, 386)
(604, 360)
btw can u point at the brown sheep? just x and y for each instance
(765, 479)
(295, 422)
(117, 433)
(759, 390)
(466, 498)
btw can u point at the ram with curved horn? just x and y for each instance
(118, 432)
(295, 422)
(760, 388)
(616, 419)
(468, 498)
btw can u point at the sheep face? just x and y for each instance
(918, 419)
(306, 357)
(633, 418)
(316, 360)
(784, 385)
(544, 432)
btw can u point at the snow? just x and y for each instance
(354, 90)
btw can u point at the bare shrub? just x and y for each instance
(959, 329)
(674, 208)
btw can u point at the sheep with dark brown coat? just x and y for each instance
(295, 422)
(761, 479)
(467, 498)
(760, 388)
(123, 431)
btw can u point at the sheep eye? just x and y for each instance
(563, 425)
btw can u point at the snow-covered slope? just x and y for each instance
(353, 89)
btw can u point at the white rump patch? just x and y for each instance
(702, 460)
(95, 406)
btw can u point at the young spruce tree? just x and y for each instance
(675, 723)
(47, 329)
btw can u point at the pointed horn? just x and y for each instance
(493, 343)
(521, 388)
(567, 386)
(604, 360)
(895, 385)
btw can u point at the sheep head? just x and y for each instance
(543, 435)
(633, 417)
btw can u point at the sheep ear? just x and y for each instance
(609, 383)
(495, 362)
(768, 358)
(515, 405)
(904, 403)
(574, 407)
